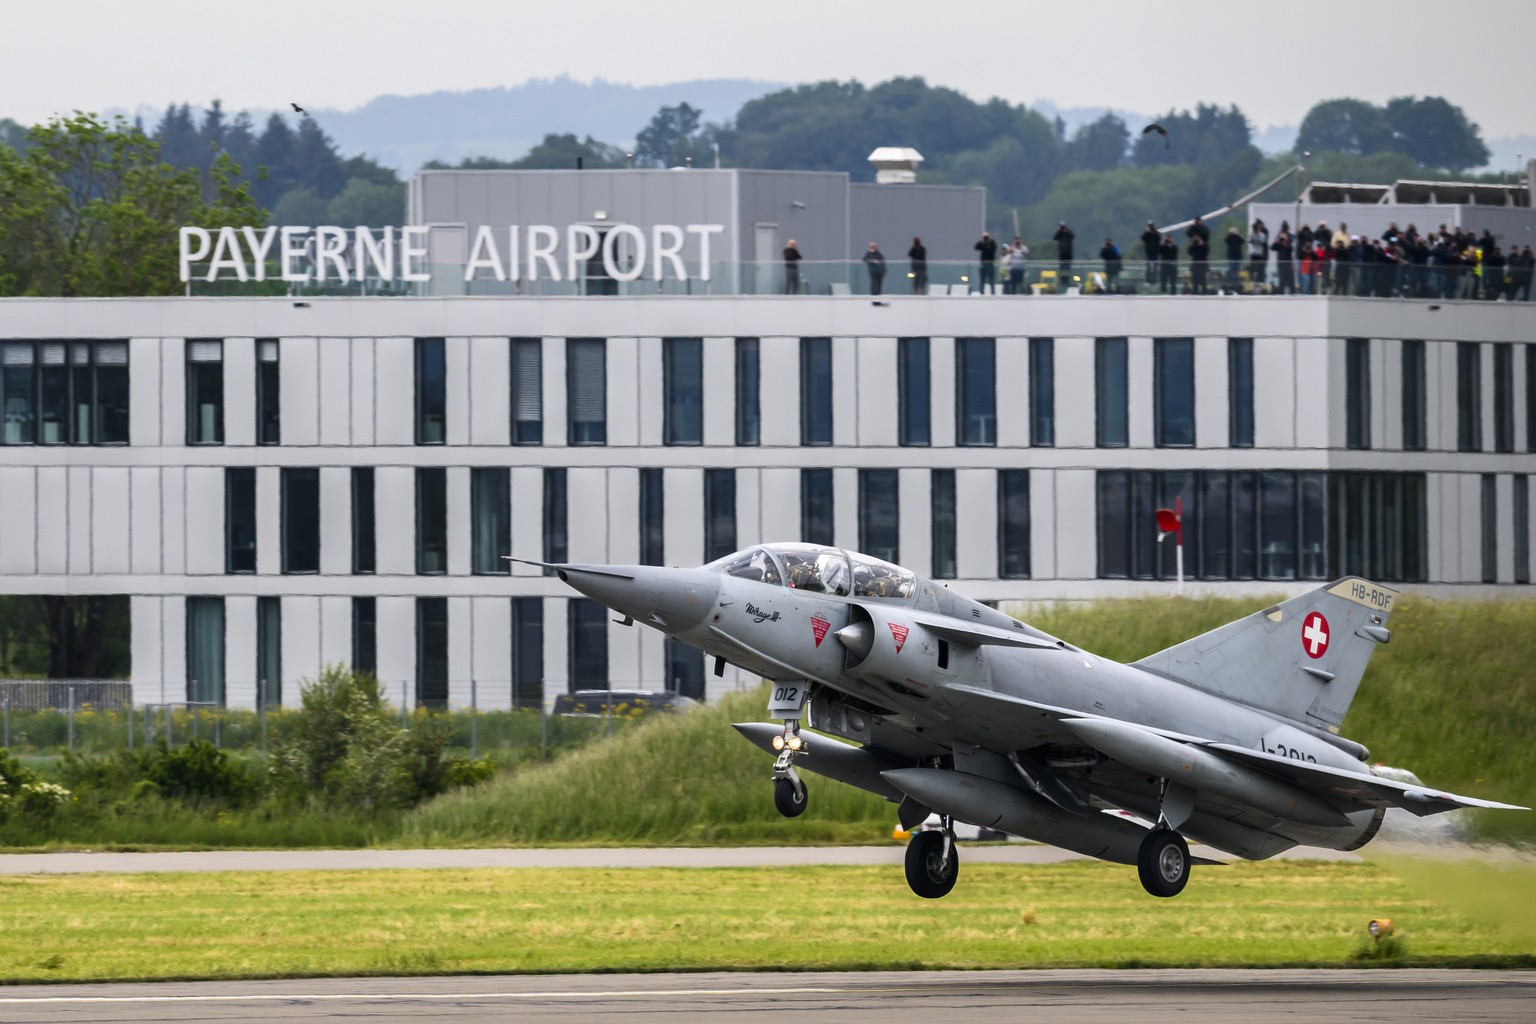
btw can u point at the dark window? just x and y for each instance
(1277, 525)
(1414, 394)
(1215, 511)
(683, 379)
(1522, 528)
(432, 652)
(205, 391)
(240, 519)
(719, 513)
(879, 514)
(816, 526)
(205, 650)
(268, 393)
(1530, 398)
(64, 392)
(1313, 488)
(527, 391)
(1042, 392)
(1112, 392)
(912, 387)
(1490, 528)
(528, 652)
(431, 391)
(1240, 392)
(1013, 524)
(301, 519)
(1469, 396)
(976, 391)
(490, 499)
(556, 547)
(1114, 498)
(269, 652)
(1128, 546)
(685, 669)
(943, 512)
(364, 544)
(586, 389)
(18, 392)
(1357, 392)
(1504, 397)
(1177, 490)
(1245, 527)
(588, 645)
(747, 419)
(815, 391)
(652, 517)
(1173, 396)
(1376, 525)
(365, 634)
(431, 520)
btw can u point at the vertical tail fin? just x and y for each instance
(1302, 659)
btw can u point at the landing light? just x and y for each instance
(778, 743)
(795, 743)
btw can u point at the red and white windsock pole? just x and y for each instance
(1171, 520)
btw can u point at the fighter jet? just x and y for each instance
(945, 705)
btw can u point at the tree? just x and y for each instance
(367, 204)
(669, 132)
(562, 151)
(1207, 138)
(315, 162)
(300, 207)
(1344, 126)
(274, 158)
(1435, 132)
(91, 209)
(1100, 146)
(12, 135)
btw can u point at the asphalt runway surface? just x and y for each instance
(1061, 997)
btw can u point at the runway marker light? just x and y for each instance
(1380, 928)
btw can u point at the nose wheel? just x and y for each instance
(789, 796)
(1163, 862)
(933, 862)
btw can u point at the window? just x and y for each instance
(205, 650)
(268, 393)
(1313, 489)
(719, 513)
(1469, 397)
(1490, 528)
(816, 525)
(431, 391)
(1127, 531)
(269, 652)
(1178, 490)
(586, 389)
(1504, 397)
(685, 669)
(1277, 526)
(556, 547)
(431, 521)
(528, 652)
(1357, 392)
(1240, 392)
(205, 391)
(364, 543)
(58, 392)
(365, 634)
(1530, 398)
(879, 514)
(432, 652)
(652, 518)
(1112, 392)
(527, 391)
(683, 379)
(1376, 526)
(1215, 514)
(976, 396)
(815, 391)
(490, 499)
(588, 644)
(748, 431)
(1245, 527)
(1522, 528)
(1414, 394)
(1042, 392)
(240, 519)
(943, 523)
(301, 519)
(1173, 396)
(1013, 524)
(912, 387)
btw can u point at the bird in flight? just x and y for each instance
(300, 110)
(1155, 127)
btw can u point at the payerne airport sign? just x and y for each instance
(532, 252)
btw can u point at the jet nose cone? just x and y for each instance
(672, 600)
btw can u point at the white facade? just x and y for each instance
(148, 518)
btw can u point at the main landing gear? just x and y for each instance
(1163, 862)
(933, 861)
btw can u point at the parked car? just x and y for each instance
(620, 703)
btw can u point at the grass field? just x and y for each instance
(1085, 914)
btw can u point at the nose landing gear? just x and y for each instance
(788, 788)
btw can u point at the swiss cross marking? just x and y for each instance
(1314, 635)
(900, 633)
(819, 627)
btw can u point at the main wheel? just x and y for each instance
(928, 873)
(1163, 862)
(789, 798)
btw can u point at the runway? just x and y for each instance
(1062, 997)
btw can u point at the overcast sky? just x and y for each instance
(1272, 60)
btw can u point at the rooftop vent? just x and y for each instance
(895, 165)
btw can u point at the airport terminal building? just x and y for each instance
(280, 483)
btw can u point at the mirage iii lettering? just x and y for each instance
(948, 706)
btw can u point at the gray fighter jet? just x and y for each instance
(952, 707)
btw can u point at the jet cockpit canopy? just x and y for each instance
(820, 570)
